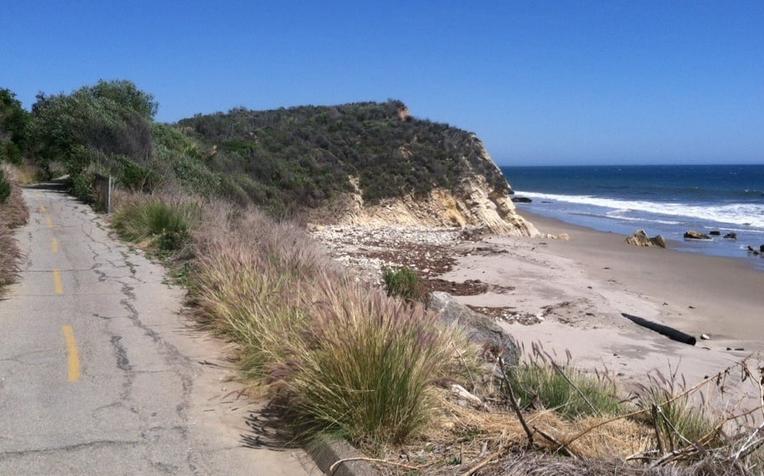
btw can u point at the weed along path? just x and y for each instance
(100, 374)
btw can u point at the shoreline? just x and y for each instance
(579, 287)
(716, 287)
(676, 245)
(568, 295)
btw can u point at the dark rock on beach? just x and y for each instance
(730, 236)
(480, 329)
(715, 233)
(640, 238)
(521, 200)
(696, 235)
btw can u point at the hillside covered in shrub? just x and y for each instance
(282, 160)
(305, 155)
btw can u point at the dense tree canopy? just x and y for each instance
(13, 126)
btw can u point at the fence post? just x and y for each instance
(102, 187)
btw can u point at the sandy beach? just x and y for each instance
(573, 292)
(581, 286)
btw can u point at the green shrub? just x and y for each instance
(403, 282)
(13, 127)
(82, 187)
(5, 187)
(166, 225)
(10, 152)
(540, 382)
(92, 126)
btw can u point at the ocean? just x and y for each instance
(661, 199)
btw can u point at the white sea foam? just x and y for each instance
(749, 214)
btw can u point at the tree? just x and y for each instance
(13, 126)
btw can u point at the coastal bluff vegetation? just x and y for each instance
(363, 162)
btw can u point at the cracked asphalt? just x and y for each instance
(135, 390)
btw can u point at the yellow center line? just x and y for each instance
(50, 221)
(54, 245)
(58, 284)
(73, 355)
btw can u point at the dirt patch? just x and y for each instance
(471, 287)
(508, 314)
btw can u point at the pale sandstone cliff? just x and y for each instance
(474, 204)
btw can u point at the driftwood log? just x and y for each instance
(667, 331)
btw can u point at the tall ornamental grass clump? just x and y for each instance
(249, 276)
(349, 359)
(677, 419)
(13, 213)
(368, 372)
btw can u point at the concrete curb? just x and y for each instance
(326, 451)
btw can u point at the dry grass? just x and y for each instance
(492, 439)
(13, 213)
(347, 358)
(540, 464)
(461, 437)
(26, 173)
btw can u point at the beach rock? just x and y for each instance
(696, 235)
(521, 200)
(730, 236)
(715, 233)
(761, 248)
(640, 238)
(659, 240)
(479, 329)
(464, 397)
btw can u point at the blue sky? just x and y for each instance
(548, 82)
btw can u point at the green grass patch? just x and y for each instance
(539, 382)
(404, 283)
(166, 226)
(680, 416)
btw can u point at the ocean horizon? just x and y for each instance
(661, 199)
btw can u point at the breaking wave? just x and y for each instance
(745, 214)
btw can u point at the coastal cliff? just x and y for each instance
(359, 163)
(474, 204)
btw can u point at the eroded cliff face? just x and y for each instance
(475, 203)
